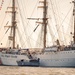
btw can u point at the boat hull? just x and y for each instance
(18, 60)
(57, 59)
(11, 59)
(46, 59)
(28, 63)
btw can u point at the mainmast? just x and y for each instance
(13, 22)
(45, 21)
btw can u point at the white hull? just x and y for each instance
(47, 59)
(57, 59)
(11, 59)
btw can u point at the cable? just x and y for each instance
(64, 19)
(27, 23)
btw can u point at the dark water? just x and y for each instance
(11, 70)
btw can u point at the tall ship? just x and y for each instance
(14, 55)
(57, 54)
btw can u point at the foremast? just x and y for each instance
(13, 22)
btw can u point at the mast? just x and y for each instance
(45, 21)
(13, 22)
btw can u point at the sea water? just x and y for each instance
(12, 70)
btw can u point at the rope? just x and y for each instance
(22, 22)
(26, 25)
(63, 21)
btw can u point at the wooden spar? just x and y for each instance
(13, 22)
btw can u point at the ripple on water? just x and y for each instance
(11, 70)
